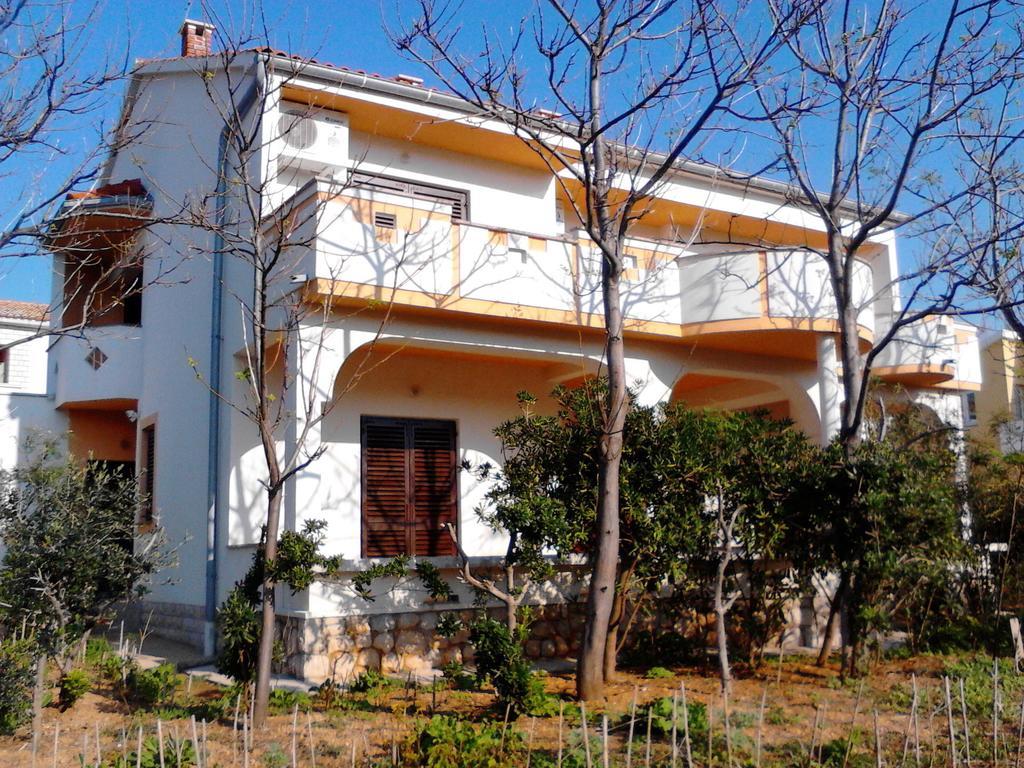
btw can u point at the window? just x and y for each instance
(409, 482)
(147, 478)
(969, 406)
(5, 366)
(458, 199)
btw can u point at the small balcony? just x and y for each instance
(100, 369)
(363, 246)
(921, 355)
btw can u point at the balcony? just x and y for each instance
(378, 247)
(103, 369)
(923, 354)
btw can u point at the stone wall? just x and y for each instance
(175, 621)
(344, 646)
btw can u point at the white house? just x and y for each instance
(23, 401)
(453, 276)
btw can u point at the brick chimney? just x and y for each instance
(196, 38)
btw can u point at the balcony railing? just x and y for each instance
(401, 249)
(104, 365)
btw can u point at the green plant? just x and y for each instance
(275, 756)
(449, 742)
(155, 687)
(659, 673)
(457, 677)
(96, 650)
(370, 681)
(73, 686)
(696, 722)
(285, 701)
(16, 675)
(499, 659)
(177, 753)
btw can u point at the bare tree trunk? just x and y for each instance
(834, 612)
(615, 625)
(269, 614)
(600, 598)
(724, 672)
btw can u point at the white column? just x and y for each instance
(829, 393)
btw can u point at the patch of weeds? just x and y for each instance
(741, 720)
(449, 741)
(177, 753)
(96, 650)
(73, 686)
(371, 681)
(659, 673)
(275, 756)
(155, 687)
(977, 673)
(283, 701)
(457, 678)
(661, 718)
(777, 715)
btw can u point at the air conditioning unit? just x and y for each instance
(314, 140)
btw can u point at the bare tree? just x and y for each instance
(264, 226)
(613, 78)
(873, 113)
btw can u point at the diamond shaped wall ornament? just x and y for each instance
(96, 358)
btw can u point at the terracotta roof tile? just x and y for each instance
(24, 310)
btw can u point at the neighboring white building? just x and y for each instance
(456, 278)
(23, 401)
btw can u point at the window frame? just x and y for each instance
(408, 423)
(147, 478)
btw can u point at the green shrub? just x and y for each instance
(17, 670)
(96, 650)
(457, 677)
(285, 701)
(696, 718)
(117, 669)
(155, 687)
(371, 681)
(499, 659)
(73, 686)
(178, 753)
(659, 673)
(448, 742)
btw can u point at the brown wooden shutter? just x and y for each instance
(385, 483)
(409, 487)
(434, 490)
(148, 470)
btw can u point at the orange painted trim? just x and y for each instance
(925, 375)
(347, 292)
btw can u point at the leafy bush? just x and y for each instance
(499, 658)
(696, 718)
(448, 742)
(370, 681)
(659, 673)
(16, 678)
(457, 677)
(155, 687)
(285, 701)
(96, 650)
(178, 753)
(73, 686)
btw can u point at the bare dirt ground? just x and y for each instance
(802, 703)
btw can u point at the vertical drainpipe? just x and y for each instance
(213, 492)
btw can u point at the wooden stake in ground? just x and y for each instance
(312, 748)
(949, 722)
(711, 728)
(647, 752)
(967, 725)
(910, 723)
(529, 746)
(814, 735)
(1020, 734)
(760, 726)
(632, 723)
(195, 742)
(853, 724)
(878, 742)
(138, 750)
(995, 712)
(295, 736)
(586, 738)
(604, 741)
(675, 716)
(686, 725)
(561, 717)
(160, 740)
